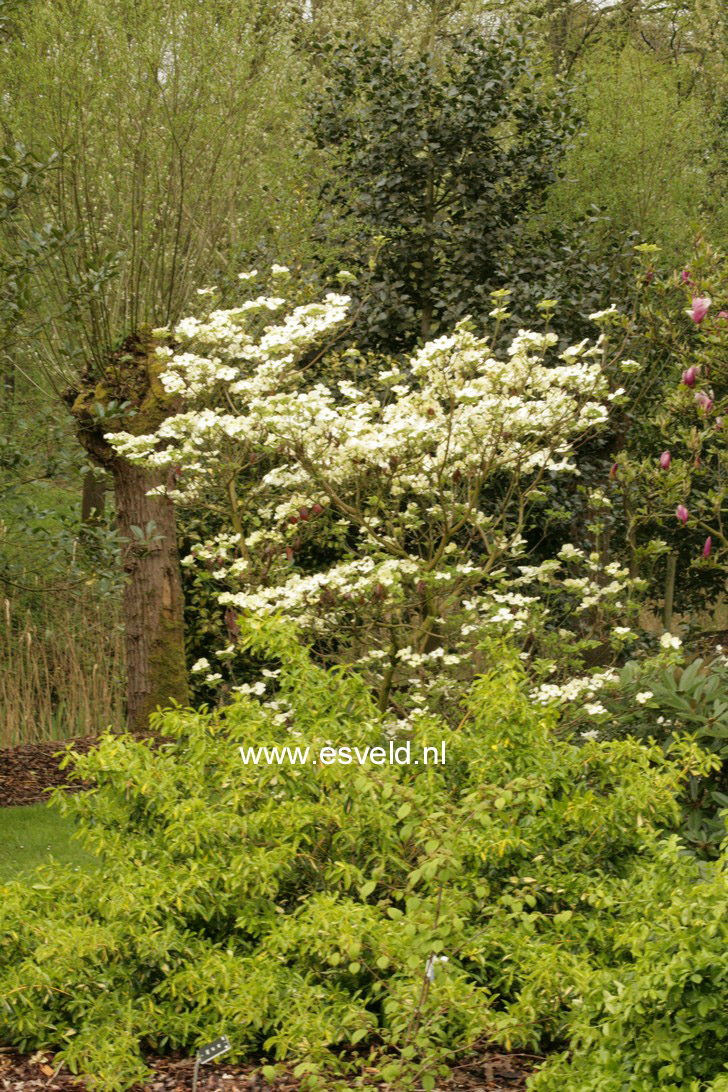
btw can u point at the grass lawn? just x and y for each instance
(35, 835)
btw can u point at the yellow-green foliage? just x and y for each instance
(645, 154)
(296, 907)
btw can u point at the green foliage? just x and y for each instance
(171, 128)
(684, 702)
(665, 414)
(61, 660)
(656, 1021)
(40, 487)
(644, 157)
(22, 176)
(296, 907)
(434, 160)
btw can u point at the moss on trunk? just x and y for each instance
(153, 603)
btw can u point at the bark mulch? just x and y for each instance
(27, 771)
(488, 1072)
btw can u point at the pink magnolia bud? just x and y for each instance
(293, 519)
(316, 509)
(682, 514)
(689, 376)
(723, 315)
(665, 460)
(649, 276)
(704, 401)
(303, 512)
(708, 546)
(613, 470)
(685, 276)
(699, 308)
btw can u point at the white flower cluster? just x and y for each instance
(418, 474)
(587, 686)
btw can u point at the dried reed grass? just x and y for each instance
(61, 672)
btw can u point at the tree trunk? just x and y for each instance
(153, 605)
(92, 498)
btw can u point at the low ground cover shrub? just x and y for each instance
(378, 915)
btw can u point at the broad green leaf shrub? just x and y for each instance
(668, 703)
(670, 479)
(420, 173)
(296, 907)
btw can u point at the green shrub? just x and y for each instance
(655, 1020)
(678, 702)
(296, 907)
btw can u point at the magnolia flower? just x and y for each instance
(704, 401)
(723, 315)
(689, 376)
(685, 276)
(665, 460)
(699, 308)
(682, 514)
(708, 546)
(613, 471)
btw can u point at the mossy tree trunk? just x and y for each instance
(93, 498)
(153, 603)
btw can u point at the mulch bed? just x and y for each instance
(26, 772)
(489, 1072)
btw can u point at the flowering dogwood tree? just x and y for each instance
(415, 479)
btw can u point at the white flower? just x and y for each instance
(201, 665)
(248, 276)
(600, 316)
(670, 640)
(594, 709)
(569, 552)
(643, 697)
(279, 270)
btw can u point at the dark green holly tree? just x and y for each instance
(436, 160)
